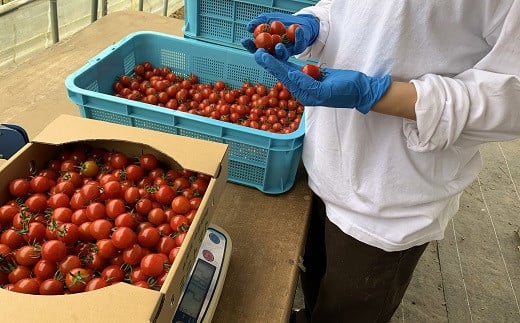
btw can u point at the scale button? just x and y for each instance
(213, 237)
(208, 255)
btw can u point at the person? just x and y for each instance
(409, 92)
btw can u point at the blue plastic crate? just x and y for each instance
(224, 21)
(260, 159)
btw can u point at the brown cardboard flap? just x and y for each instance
(120, 302)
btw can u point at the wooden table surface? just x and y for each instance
(267, 231)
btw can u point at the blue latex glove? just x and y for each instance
(304, 36)
(336, 88)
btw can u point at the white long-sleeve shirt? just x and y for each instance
(395, 183)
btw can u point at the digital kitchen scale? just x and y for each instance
(204, 286)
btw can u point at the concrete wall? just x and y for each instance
(25, 25)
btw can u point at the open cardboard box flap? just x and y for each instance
(68, 128)
(121, 302)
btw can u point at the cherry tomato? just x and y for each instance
(27, 286)
(180, 204)
(290, 32)
(101, 228)
(95, 283)
(153, 264)
(312, 70)
(113, 274)
(51, 286)
(264, 40)
(179, 223)
(53, 250)
(44, 269)
(77, 278)
(27, 255)
(123, 237)
(19, 187)
(148, 237)
(277, 27)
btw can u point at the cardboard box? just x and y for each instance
(120, 302)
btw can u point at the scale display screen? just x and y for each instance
(195, 293)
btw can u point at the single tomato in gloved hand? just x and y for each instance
(312, 70)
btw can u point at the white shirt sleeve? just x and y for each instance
(476, 106)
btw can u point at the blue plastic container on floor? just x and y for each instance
(260, 159)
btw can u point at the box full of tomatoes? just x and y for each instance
(197, 89)
(101, 222)
(224, 21)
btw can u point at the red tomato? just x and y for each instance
(112, 189)
(148, 237)
(7, 212)
(173, 254)
(180, 204)
(113, 274)
(19, 187)
(133, 254)
(261, 28)
(40, 184)
(106, 248)
(51, 286)
(36, 202)
(179, 238)
(58, 200)
(19, 272)
(96, 211)
(68, 233)
(53, 250)
(77, 278)
(114, 208)
(95, 283)
(179, 223)
(68, 263)
(44, 269)
(264, 40)
(123, 237)
(134, 172)
(164, 194)
(27, 286)
(35, 232)
(165, 244)
(153, 264)
(156, 216)
(137, 275)
(312, 70)
(290, 32)
(101, 229)
(277, 27)
(27, 255)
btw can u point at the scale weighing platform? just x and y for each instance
(204, 286)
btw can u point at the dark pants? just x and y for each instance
(346, 280)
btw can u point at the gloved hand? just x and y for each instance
(304, 36)
(336, 88)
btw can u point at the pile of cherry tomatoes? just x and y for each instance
(95, 217)
(253, 105)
